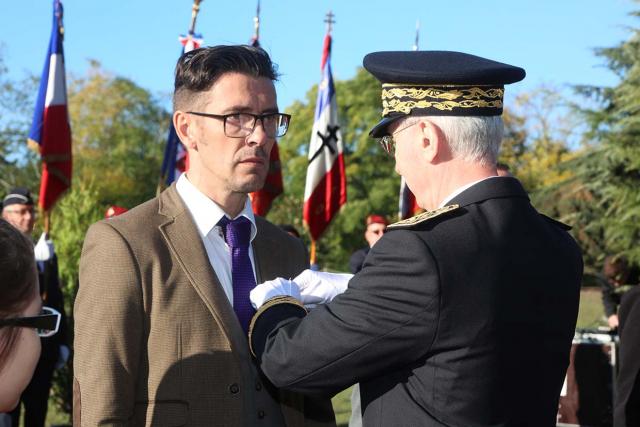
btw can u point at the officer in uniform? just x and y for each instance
(461, 316)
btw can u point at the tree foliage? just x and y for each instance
(17, 163)
(118, 131)
(608, 169)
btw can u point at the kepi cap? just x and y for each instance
(376, 219)
(17, 196)
(438, 83)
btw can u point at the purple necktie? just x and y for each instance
(237, 233)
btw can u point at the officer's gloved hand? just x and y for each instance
(44, 249)
(271, 289)
(319, 287)
(63, 356)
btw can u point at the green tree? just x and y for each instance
(118, 132)
(18, 164)
(608, 169)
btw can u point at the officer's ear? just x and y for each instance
(185, 129)
(433, 143)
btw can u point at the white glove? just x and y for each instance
(44, 249)
(273, 288)
(63, 356)
(319, 287)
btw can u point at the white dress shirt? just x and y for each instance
(461, 189)
(206, 213)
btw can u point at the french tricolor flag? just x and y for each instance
(326, 185)
(50, 133)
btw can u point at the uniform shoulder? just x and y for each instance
(424, 218)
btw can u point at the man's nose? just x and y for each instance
(258, 136)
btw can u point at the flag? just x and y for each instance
(407, 207)
(273, 185)
(326, 186)
(50, 133)
(175, 159)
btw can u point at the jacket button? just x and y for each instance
(258, 385)
(261, 414)
(234, 388)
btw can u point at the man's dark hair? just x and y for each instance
(199, 69)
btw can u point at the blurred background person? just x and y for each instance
(627, 398)
(18, 210)
(375, 225)
(20, 315)
(502, 169)
(613, 281)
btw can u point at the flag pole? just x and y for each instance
(256, 27)
(194, 15)
(312, 258)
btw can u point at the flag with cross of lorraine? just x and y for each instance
(326, 185)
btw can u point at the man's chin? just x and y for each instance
(253, 183)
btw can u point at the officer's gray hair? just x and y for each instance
(475, 139)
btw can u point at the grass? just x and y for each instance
(591, 315)
(342, 407)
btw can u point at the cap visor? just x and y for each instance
(380, 129)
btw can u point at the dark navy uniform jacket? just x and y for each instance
(460, 317)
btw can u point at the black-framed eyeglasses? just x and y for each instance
(241, 125)
(46, 323)
(388, 143)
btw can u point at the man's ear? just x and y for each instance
(432, 140)
(184, 125)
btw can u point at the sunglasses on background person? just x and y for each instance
(46, 323)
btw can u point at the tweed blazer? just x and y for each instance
(157, 341)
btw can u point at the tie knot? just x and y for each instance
(237, 232)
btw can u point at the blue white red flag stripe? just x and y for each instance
(326, 185)
(50, 132)
(175, 159)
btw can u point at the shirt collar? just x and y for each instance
(205, 212)
(461, 189)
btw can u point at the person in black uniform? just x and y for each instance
(375, 226)
(18, 210)
(627, 402)
(461, 316)
(613, 282)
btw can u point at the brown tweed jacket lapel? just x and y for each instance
(183, 239)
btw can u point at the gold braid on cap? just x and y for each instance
(401, 98)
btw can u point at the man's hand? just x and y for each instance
(273, 288)
(318, 287)
(613, 321)
(63, 356)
